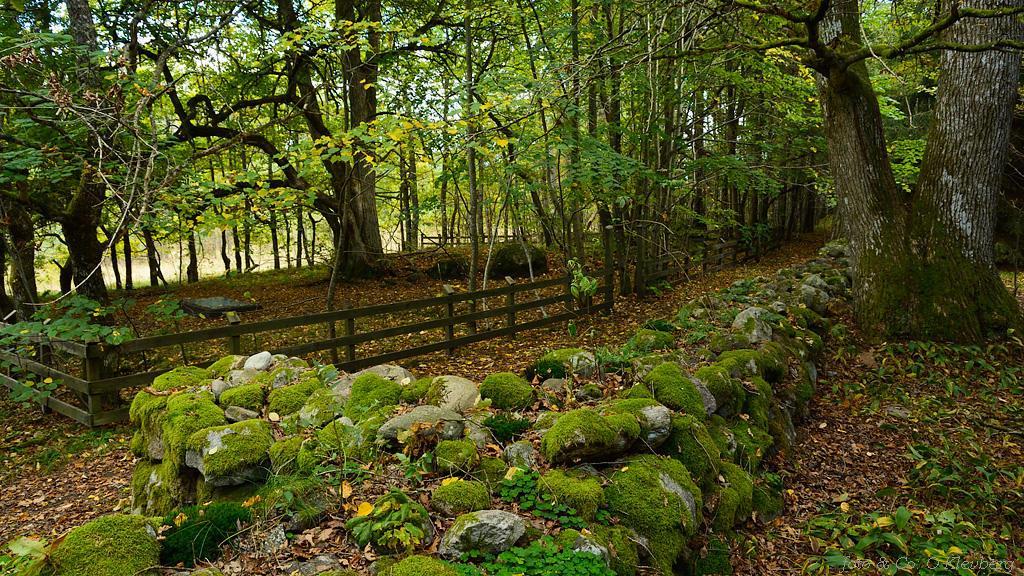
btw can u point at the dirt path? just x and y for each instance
(55, 474)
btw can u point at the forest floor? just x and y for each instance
(911, 451)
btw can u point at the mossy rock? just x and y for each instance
(724, 342)
(728, 392)
(158, 488)
(759, 403)
(249, 396)
(584, 494)
(517, 260)
(456, 496)
(284, 454)
(638, 391)
(647, 340)
(747, 363)
(507, 391)
(182, 377)
(290, 399)
(415, 391)
(420, 566)
(455, 456)
(187, 413)
(322, 406)
(453, 266)
(692, 445)
(231, 455)
(739, 480)
(623, 552)
(563, 362)
(118, 545)
(584, 434)
(352, 440)
(370, 392)
(767, 500)
(656, 497)
(491, 472)
(220, 368)
(674, 389)
(752, 443)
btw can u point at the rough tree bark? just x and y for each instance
(923, 260)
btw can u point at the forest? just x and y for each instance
(511, 287)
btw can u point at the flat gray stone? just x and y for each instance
(521, 454)
(237, 414)
(488, 531)
(449, 424)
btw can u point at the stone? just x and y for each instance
(590, 546)
(814, 298)
(454, 393)
(710, 404)
(521, 454)
(316, 565)
(273, 541)
(237, 414)
(240, 377)
(752, 324)
(816, 281)
(655, 424)
(450, 424)
(218, 387)
(554, 387)
(231, 455)
(343, 386)
(779, 307)
(259, 362)
(487, 531)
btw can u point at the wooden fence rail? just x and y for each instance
(97, 388)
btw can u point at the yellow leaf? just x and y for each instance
(448, 481)
(364, 509)
(845, 507)
(884, 521)
(512, 471)
(346, 489)
(180, 519)
(501, 141)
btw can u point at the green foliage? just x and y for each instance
(582, 287)
(543, 558)
(76, 319)
(396, 524)
(197, 533)
(523, 488)
(506, 427)
(507, 391)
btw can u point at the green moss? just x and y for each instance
(725, 514)
(182, 377)
(415, 391)
(371, 391)
(187, 413)
(290, 399)
(221, 367)
(803, 387)
(637, 494)
(248, 396)
(738, 479)
(157, 488)
(507, 391)
(674, 389)
(722, 436)
(728, 391)
(583, 428)
(197, 532)
(646, 340)
(622, 548)
(460, 496)
(455, 456)
(713, 560)
(420, 566)
(566, 538)
(556, 363)
(691, 444)
(247, 444)
(759, 403)
(727, 341)
(138, 444)
(582, 493)
(118, 545)
(741, 363)
(638, 391)
(491, 472)
(752, 443)
(775, 358)
(284, 454)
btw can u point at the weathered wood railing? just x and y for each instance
(98, 385)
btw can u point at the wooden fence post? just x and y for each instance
(235, 340)
(510, 302)
(449, 328)
(350, 330)
(93, 372)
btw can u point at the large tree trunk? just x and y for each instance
(923, 260)
(6, 302)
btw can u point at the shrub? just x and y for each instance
(506, 427)
(394, 524)
(507, 391)
(197, 532)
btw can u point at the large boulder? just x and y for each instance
(487, 531)
(453, 393)
(753, 324)
(447, 424)
(586, 435)
(517, 260)
(231, 455)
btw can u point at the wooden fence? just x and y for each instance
(456, 315)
